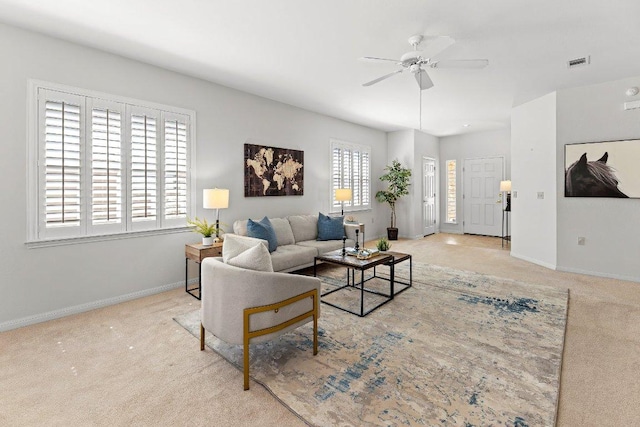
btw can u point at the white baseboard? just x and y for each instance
(599, 274)
(534, 261)
(67, 311)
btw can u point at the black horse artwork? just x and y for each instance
(591, 179)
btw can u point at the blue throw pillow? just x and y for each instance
(330, 228)
(263, 230)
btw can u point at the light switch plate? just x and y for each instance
(540, 194)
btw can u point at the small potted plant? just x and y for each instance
(383, 244)
(399, 181)
(203, 227)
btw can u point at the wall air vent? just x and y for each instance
(579, 62)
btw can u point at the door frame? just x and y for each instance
(436, 203)
(464, 161)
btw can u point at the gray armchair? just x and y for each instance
(240, 306)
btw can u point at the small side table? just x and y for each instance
(197, 252)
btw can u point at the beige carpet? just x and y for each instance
(131, 364)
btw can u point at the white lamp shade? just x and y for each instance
(343, 194)
(215, 198)
(505, 186)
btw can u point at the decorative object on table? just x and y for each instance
(344, 243)
(383, 244)
(398, 178)
(505, 187)
(343, 195)
(497, 346)
(272, 171)
(350, 219)
(602, 169)
(367, 253)
(357, 239)
(215, 198)
(203, 227)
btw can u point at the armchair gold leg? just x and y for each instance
(315, 324)
(201, 337)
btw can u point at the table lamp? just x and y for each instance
(215, 198)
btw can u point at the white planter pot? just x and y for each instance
(207, 241)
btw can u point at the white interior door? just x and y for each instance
(428, 196)
(482, 202)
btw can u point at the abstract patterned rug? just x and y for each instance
(456, 349)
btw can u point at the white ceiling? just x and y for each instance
(305, 53)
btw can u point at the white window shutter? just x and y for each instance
(107, 166)
(350, 168)
(143, 168)
(176, 167)
(61, 164)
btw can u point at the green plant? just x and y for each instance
(383, 244)
(203, 227)
(398, 178)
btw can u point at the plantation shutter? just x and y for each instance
(61, 130)
(350, 168)
(107, 166)
(144, 167)
(175, 167)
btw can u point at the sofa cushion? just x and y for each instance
(324, 246)
(304, 227)
(289, 256)
(284, 234)
(263, 230)
(240, 227)
(255, 258)
(330, 228)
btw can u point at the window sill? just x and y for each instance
(34, 244)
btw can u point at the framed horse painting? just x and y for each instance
(602, 169)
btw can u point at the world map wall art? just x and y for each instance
(272, 171)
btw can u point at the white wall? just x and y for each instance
(43, 283)
(469, 146)
(426, 145)
(408, 147)
(611, 226)
(533, 170)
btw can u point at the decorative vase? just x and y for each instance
(207, 241)
(392, 233)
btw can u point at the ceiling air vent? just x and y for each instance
(579, 62)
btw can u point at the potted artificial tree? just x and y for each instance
(398, 178)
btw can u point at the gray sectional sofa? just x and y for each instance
(297, 244)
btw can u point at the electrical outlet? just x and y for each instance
(581, 241)
(515, 194)
(371, 220)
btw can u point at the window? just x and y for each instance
(103, 165)
(351, 168)
(451, 190)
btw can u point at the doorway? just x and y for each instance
(482, 200)
(429, 218)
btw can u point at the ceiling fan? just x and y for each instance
(416, 59)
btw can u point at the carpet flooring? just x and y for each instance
(457, 348)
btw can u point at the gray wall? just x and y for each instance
(545, 231)
(44, 283)
(469, 146)
(611, 226)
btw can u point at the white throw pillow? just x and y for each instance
(255, 258)
(233, 245)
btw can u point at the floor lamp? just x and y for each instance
(215, 198)
(505, 187)
(343, 195)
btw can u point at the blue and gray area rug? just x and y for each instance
(456, 349)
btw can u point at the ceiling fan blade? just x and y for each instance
(423, 80)
(460, 63)
(373, 58)
(386, 76)
(435, 45)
